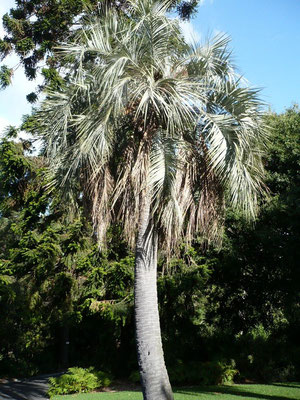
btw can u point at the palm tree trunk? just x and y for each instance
(153, 372)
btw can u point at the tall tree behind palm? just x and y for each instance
(158, 131)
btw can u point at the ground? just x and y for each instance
(27, 389)
(35, 389)
(276, 391)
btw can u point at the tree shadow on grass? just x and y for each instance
(230, 390)
(294, 385)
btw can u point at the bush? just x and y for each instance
(78, 380)
(135, 377)
(265, 356)
(205, 373)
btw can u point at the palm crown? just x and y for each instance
(145, 114)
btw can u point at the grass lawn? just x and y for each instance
(276, 391)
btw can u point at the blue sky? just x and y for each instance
(265, 41)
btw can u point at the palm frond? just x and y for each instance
(145, 114)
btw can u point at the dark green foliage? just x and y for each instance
(24, 46)
(5, 76)
(5, 48)
(256, 276)
(205, 373)
(183, 305)
(32, 97)
(78, 380)
(186, 9)
(265, 355)
(52, 274)
(51, 24)
(135, 377)
(15, 173)
(52, 78)
(11, 132)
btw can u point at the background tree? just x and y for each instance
(261, 260)
(157, 130)
(52, 276)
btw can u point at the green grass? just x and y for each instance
(276, 391)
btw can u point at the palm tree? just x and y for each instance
(159, 132)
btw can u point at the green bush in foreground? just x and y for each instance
(78, 380)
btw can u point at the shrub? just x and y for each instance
(135, 377)
(78, 380)
(207, 373)
(229, 373)
(265, 356)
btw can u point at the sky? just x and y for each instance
(265, 42)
